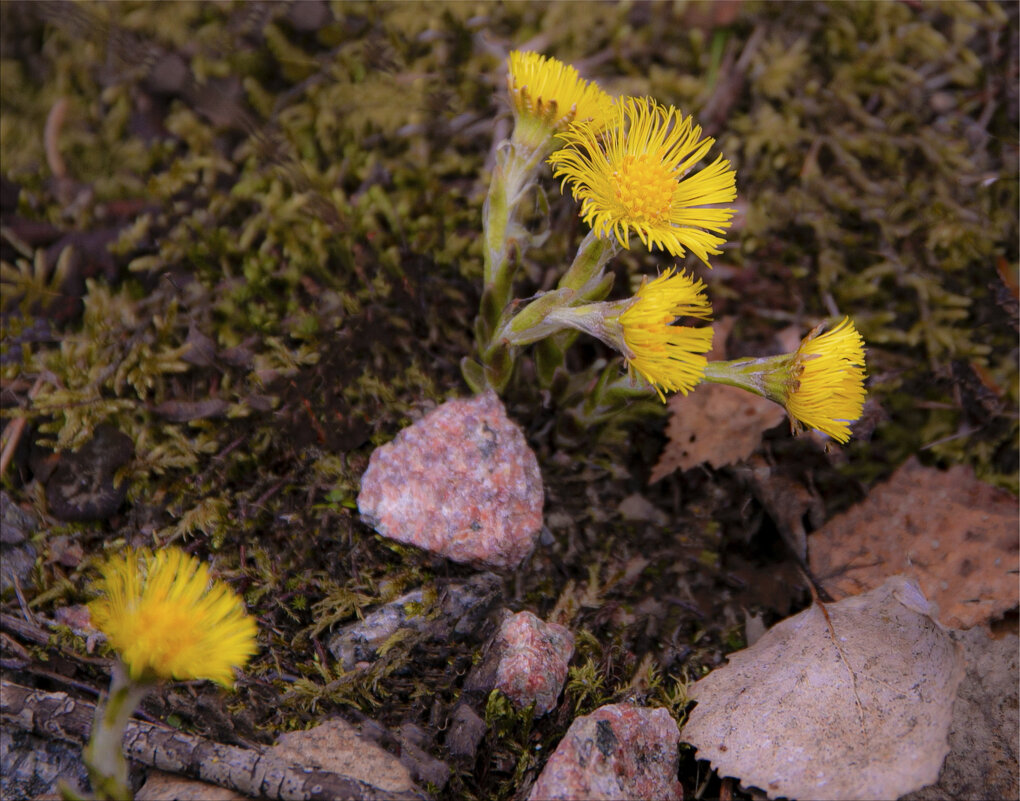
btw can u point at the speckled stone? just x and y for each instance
(619, 751)
(533, 660)
(461, 482)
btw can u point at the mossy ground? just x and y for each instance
(277, 209)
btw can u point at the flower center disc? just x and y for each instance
(644, 188)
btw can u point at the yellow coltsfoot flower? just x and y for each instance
(167, 619)
(636, 176)
(826, 381)
(669, 357)
(547, 96)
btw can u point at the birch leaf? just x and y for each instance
(863, 717)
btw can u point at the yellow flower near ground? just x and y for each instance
(551, 95)
(827, 381)
(167, 619)
(669, 357)
(635, 176)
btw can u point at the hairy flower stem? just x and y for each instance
(104, 754)
(768, 377)
(593, 254)
(514, 174)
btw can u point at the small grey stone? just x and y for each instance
(466, 731)
(463, 608)
(16, 562)
(422, 765)
(16, 525)
(360, 641)
(82, 486)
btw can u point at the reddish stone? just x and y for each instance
(533, 661)
(619, 751)
(461, 482)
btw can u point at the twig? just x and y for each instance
(51, 138)
(245, 770)
(16, 428)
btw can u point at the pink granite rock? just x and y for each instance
(533, 660)
(461, 482)
(619, 751)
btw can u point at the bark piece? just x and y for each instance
(249, 771)
(31, 766)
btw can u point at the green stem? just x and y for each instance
(768, 377)
(104, 754)
(515, 168)
(593, 254)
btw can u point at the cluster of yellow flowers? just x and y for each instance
(632, 163)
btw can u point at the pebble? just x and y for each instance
(339, 747)
(526, 661)
(463, 607)
(619, 751)
(414, 755)
(465, 733)
(461, 482)
(82, 487)
(17, 554)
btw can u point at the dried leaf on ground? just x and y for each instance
(956, 535)
(984, 739)
(715, 423)
(788, 501)
(799, 716)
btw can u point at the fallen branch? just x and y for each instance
(244, 770)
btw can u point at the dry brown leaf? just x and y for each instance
(715, 423)
(788, 501)
(956, 535)
(800, 717)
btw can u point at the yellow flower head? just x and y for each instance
(827, 381)
(167, 619)
(636, 177)
(669, 357)
(547, 96)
